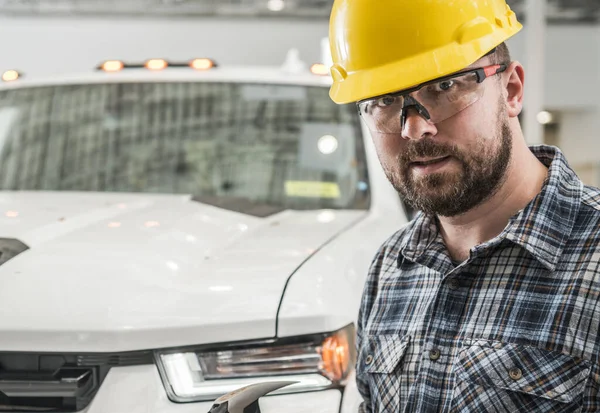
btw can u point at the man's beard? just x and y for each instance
(452, 193)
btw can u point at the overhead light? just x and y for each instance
(112, 66)
(202, 64)
(275, 5)
(156, 64)
(545, 117)
(10, 76)
(327, 144)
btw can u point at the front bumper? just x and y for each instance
(139, 389)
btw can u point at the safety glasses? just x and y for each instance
(435, 101)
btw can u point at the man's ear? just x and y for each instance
(514, 81)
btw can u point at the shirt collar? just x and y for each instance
(545, 224)
(542, 227)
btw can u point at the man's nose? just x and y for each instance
(416, 126)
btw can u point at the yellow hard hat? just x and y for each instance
(383, 46)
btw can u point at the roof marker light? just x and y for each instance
(112, 66)
(156, 64)
(319, 69)
(202, 64)
(10, 76)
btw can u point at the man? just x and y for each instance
(489, 300)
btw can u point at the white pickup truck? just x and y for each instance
(172, 232)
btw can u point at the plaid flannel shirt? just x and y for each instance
(515, 328)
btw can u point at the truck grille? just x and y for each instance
(57, 382)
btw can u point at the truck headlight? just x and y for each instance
(315, 362)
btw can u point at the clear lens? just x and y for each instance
(314, 365)
(442, 99)
(449, 95)
(293, 359)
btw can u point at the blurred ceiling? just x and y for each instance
(558, 11)
(564, 11)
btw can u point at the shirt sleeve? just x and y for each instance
(368, 297)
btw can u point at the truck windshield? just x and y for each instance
(229, 144)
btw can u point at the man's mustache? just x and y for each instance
(426, 148)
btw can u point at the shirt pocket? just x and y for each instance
(379, 365)
(498, 377)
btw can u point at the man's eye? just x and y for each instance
(446, 85)
(385, 101)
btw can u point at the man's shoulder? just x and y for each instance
(591, 198)
(588, 219)
(586, 229)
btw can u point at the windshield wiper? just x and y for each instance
(240, 204)
(14, 408)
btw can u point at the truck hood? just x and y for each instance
(123, 272)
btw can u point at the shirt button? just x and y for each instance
(369, 360)
(434, 354)
(454, 284)
(515, 373)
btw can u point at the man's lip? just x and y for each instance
(429, 160)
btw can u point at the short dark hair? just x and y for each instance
(500, 55)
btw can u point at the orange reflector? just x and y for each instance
(156, 64)
(319, 69)
(337, 356)
(10, 76)
(202, 64)
(112, 66)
